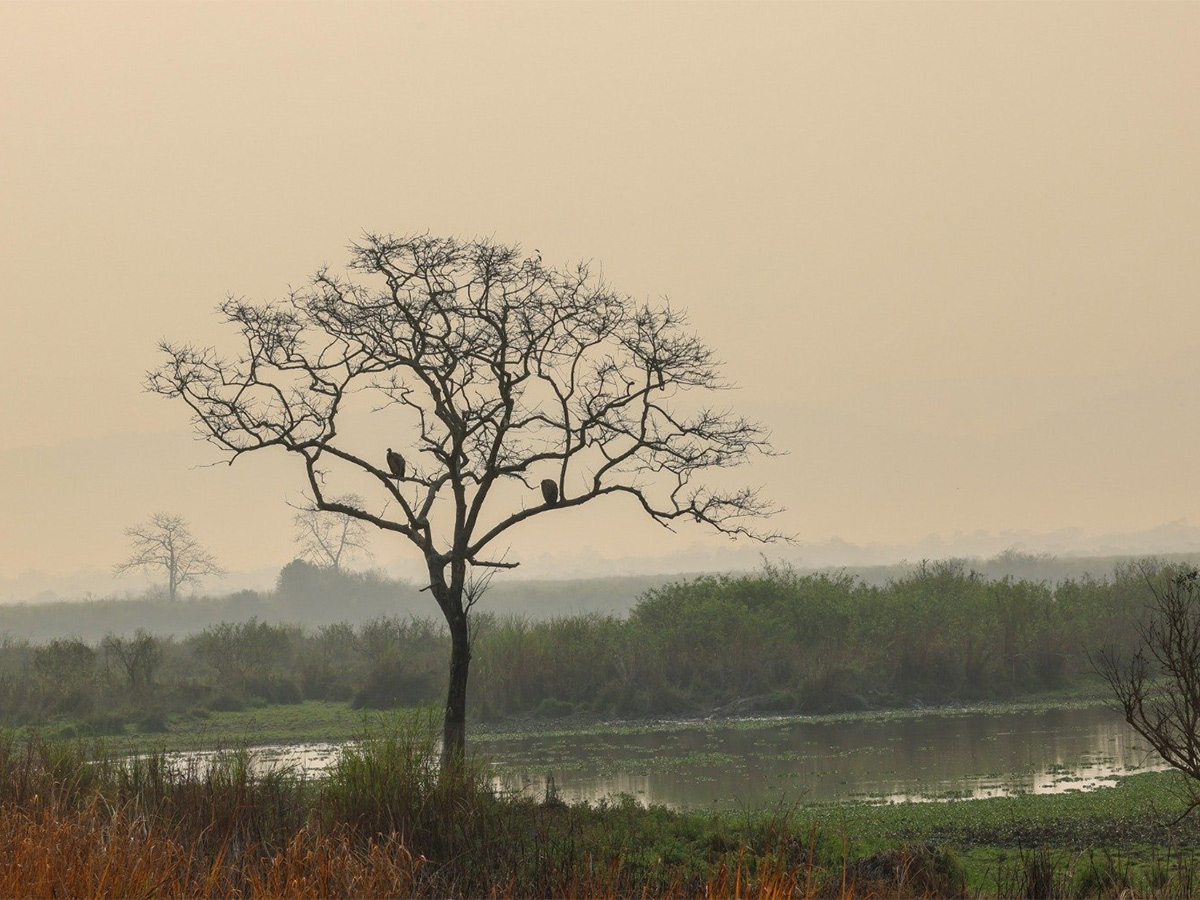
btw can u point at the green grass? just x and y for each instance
(312, 720)
(1124, 816)
(1125, 824)
(309, 722)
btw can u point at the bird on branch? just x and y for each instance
(549, 491)
(396, 463)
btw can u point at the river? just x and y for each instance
(754, 763)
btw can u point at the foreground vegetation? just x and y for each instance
(775, 641)
(385, 822)
(77, 821)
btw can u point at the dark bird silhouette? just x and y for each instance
(396, 464)
(549, 491)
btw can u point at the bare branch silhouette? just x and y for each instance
(1158, 688)
(504, 373)
(329, 540)
(165, 544)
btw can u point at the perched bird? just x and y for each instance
(549, 491)
(396, 463)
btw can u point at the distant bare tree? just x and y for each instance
(329, 539)
(501, 372)
(166, 544)
(1158, 688)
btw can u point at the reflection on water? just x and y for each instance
(758, 763)
(755, 764)
(303, 759)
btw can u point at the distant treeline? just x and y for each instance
(773, 641)
(311, 596)
(308, 595)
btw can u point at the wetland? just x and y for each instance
(951, 753)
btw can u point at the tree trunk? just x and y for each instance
(454, 733)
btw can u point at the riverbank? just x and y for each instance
(328, 721)
(386, 823)
(1123, 835)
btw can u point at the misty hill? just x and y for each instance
(306, 595)
(313, 597)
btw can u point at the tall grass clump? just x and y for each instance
(391, 781)
(1050, 873)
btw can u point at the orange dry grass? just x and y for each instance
(99, 853)
(44, 854)
(773, 881)
(320, 865)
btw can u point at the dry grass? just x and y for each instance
(96, 852)
(385, 824)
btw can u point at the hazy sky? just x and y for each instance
(951, 253)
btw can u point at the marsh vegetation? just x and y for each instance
(388, 821)
(685, 673)
(771, 642)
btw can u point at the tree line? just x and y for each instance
(774, 640)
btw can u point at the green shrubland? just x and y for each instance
(772, 641)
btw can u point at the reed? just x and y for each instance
(388, 822)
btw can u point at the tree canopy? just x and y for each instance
(500, 370)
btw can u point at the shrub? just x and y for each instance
(390, 684)
(152, 723)
(227, 702)
(553, 708)
(104, 724)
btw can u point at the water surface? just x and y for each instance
(753, 763)
(764, 762)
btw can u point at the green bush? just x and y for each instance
(553, 708)
(227, 702)
(391, 684)
(104, 724)
(152, 723)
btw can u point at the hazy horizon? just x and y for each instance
(1172, 538)
(958, 283)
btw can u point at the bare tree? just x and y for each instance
(1158, 688)
(502, 372)
(166, 544)
(328, 539)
